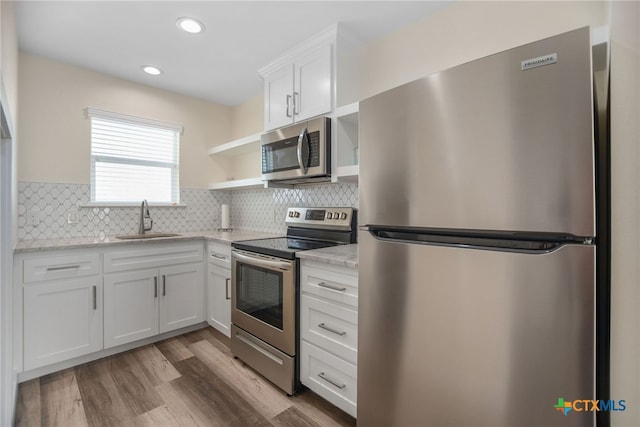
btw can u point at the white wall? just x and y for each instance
(54, 133)
(625, 200)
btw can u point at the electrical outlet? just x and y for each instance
(72, 216)
(33, 218)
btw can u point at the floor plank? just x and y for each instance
(292, 417)
(320, 411)
(136, 390)
(101, 398)
(164, 416)
(179, 404)
(256, 391)
(28, 411)
(174, 349)
(61, 401)
(208, 393)
(155, 365)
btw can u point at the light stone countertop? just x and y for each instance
(343, 255)
(89, 242)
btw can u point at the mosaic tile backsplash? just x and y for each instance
(265, 209)
(56, 210)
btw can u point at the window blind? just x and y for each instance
(132, 160)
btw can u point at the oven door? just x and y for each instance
(263, 298)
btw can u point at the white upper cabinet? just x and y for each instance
(313, 82)
(301, 83)
(278, 98)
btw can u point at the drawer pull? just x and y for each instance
(330, 381)
(218, 256)
(332, 287)
(226, 288)
(164, 285)
(95, 298)
(330, 329)
(67, 267)
(155, 286)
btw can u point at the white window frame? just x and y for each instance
(134, 120)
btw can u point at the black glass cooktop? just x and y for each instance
(283, 247)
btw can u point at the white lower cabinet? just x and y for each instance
(329, 332)
(74, 302)
(58, 312)
(130, 306)
(182, 302)
(62, 320)
(219, 287)
(144, 302)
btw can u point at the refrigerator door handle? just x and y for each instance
(531, 243)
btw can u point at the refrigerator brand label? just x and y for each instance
(540, 61)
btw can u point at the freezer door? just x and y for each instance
(486, 145)
(466, 337)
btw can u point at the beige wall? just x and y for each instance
(54, 133)
(9, 60)
(625, 221)
(465, 31)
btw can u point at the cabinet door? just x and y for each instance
(62, 320)
(313, 84)
(219, 299)
(182, 296)
(130, 306)
(278, 102)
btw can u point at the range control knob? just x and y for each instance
(343, 215)
(336, 215)
(329, 215)
(290, 214)
(296, 214)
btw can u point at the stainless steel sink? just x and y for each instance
(145, 236)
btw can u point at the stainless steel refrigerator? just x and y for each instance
(478, 246)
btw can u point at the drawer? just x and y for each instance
(151, 257)
(330, 283)
(329, 326)
(329, 376)
(219, 254)
(274, 365)
(54, 267)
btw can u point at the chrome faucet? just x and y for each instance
(144, 213)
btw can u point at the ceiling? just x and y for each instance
(219, 65)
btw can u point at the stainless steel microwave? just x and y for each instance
(298, 153)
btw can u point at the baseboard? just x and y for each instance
(45, 370)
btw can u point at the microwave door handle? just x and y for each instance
(301, 162)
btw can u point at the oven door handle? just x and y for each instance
(273, 265)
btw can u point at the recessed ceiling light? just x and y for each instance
(150, 69)
(190, 25)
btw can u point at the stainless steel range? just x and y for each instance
(265, 288)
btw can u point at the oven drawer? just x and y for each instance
(330, 377)
(330, 327)
(339, 284)
(273, 364)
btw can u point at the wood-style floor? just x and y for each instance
(189, 380)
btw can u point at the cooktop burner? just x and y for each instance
(308, 228)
